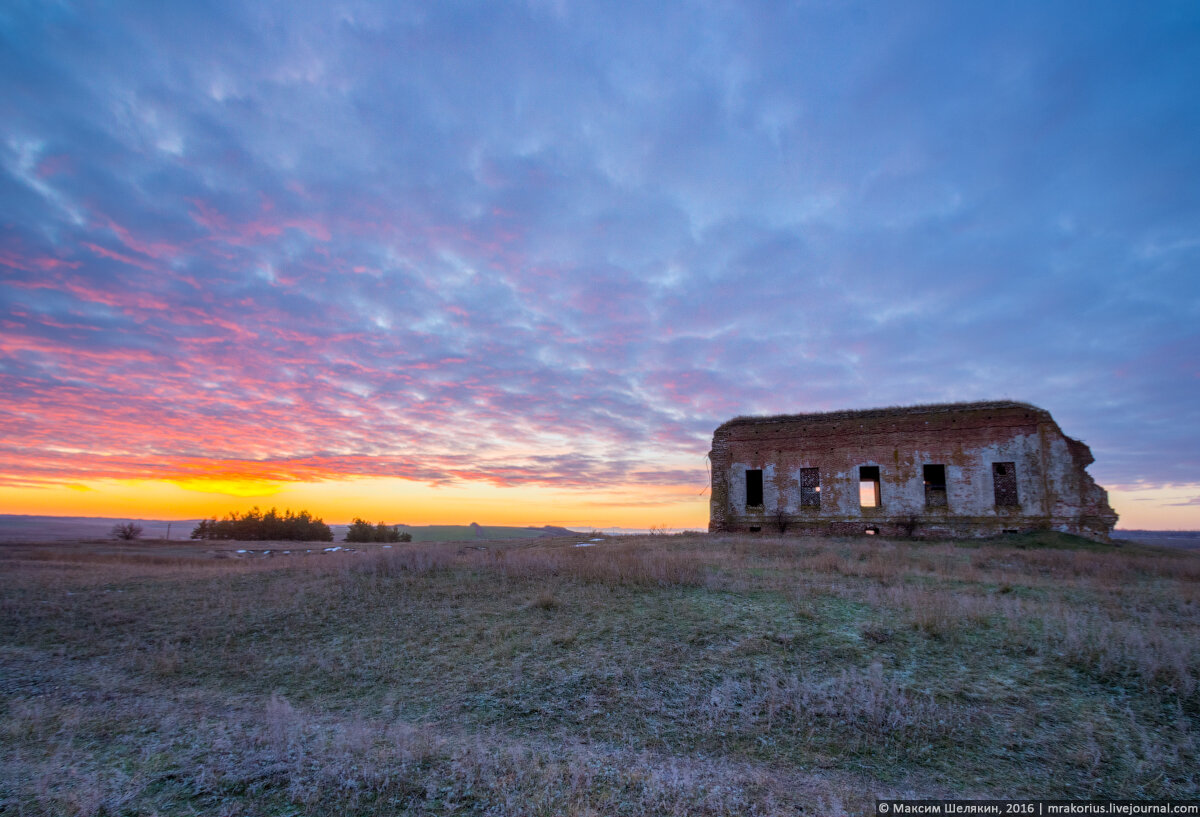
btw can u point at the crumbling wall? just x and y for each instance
(984, 453)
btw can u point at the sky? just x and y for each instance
(514, 262)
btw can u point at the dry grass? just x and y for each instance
(621, 563)
(669, 675)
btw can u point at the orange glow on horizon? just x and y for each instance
(376, 498)
(395, 500)
(230, 486)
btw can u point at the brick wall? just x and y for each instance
(1053, 489)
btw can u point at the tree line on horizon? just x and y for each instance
(256, 526)
(364, 531)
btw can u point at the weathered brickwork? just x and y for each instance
(965, 469)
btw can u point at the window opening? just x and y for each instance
(754, 487)
(810, 487)
(1004, 482)
(935, 486)
(868, 486)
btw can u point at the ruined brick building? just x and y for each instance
(964, 469)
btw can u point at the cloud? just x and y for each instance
(508, 245)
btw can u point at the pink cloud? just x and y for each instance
(34, 263)
(224, 229)
(116, 256)
(54, 165)
(154, 249)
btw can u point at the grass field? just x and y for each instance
(458, 533)
(648, 675)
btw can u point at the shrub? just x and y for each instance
(781, 519)
(364, 531)
(127, 531)
(255, 525)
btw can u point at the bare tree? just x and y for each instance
(127, 531)
(781, 519)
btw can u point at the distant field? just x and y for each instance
(15, 528)
(1189, 539)
(709, 675)
(463, 533)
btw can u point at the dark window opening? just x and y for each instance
(935, 486)
(754, 492)
(868, 486)
(810, 487)
(1004, 482)
(755, 529)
